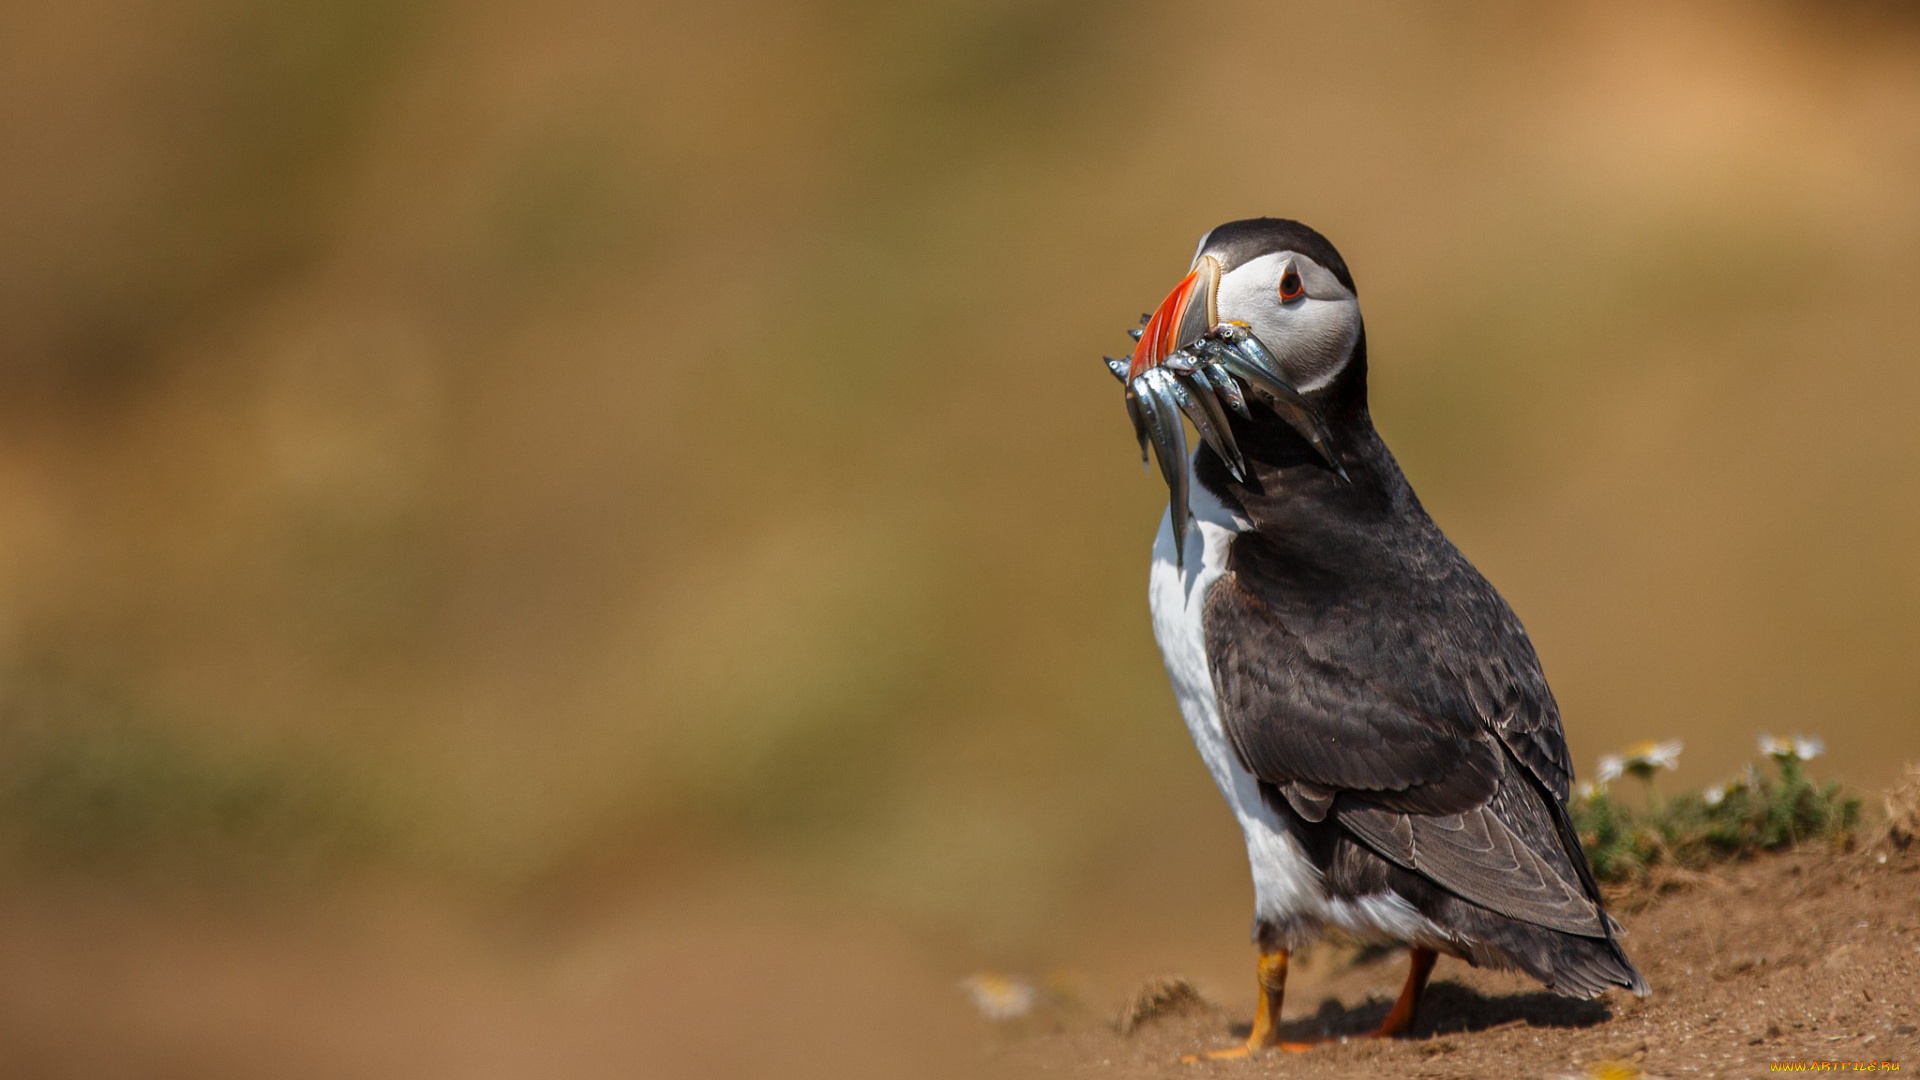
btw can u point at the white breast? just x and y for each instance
(1288, 891)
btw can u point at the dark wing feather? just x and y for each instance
(1297, 715)
(1505, 856)
(1401, 696)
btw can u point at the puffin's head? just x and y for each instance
(1280, 279)
(1267, 304)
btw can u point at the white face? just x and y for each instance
(1300, 312)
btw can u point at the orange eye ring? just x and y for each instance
(1290, 287)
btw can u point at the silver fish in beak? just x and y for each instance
(1186, 362)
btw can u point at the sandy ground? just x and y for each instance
(374, 981)
(1807, 956)
(1804, 956)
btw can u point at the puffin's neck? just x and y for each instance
(1286, 477)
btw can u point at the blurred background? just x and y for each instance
(595, 538)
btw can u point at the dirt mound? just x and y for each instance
(1809, 956)
(1806, 956)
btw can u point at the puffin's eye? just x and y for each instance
(1290, 287)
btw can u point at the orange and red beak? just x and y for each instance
(1185, 316)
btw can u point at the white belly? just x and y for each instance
(1287, 888)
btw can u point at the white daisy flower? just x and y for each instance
(1642, 760)
(1798, 748)
(1000, 997)
(1586, 791)
(1649, 756)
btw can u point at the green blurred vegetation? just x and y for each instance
(94, 785)
(1696, 829)
(524, 443)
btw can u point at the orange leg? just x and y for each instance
(1273, 987)
(1400, 1017)
(1272, 981)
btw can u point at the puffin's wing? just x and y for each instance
(1299, 713)
(1508, 855)
(1415, 714)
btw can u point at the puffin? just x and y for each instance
(1369, 706)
